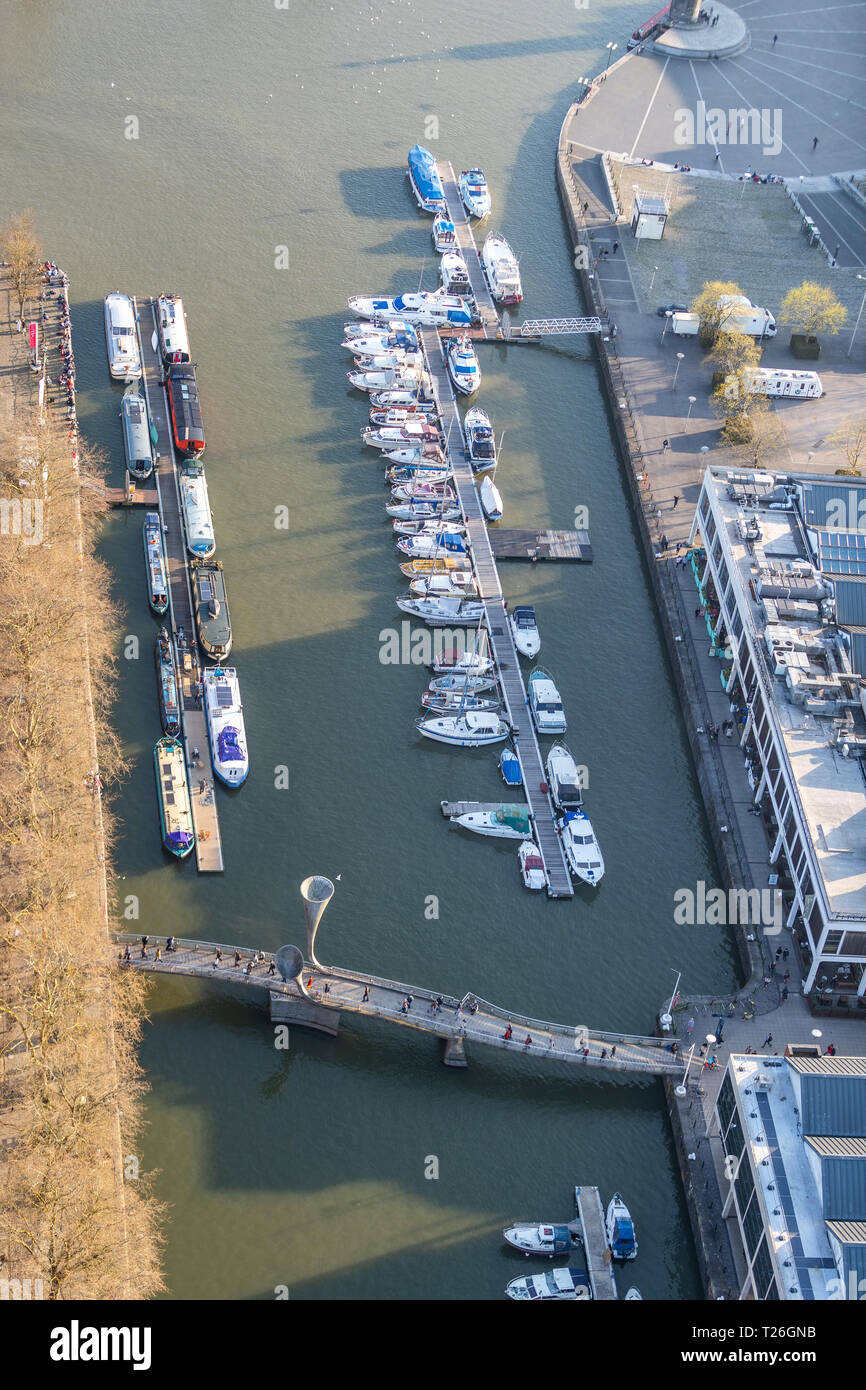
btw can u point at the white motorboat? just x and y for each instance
(462, 365)
(532, 869)
(565, 1284)
(432, 544)
(410, 379)
(456, 683)
(415, 399)
(399, 436)
(447, 611)
(463, 663)
(524, 630)
(480, 441)
(430, 528)
(491, 500)
(124, 362)
(632, 1294)
(197, 519)
(403, 415)
(353, 329)
(225, 724)
(564, 779)
(473, 729)
(507, 822)
(619, 1228)
(474, 192)
(545, 702)
(419, 514)
(539, 1237)
(376, 340)
(455, 582)
(501, 269)
(443, 233)
(581, 847)
(416, 465)
(428, 307)
(423, 492)
(453, 701)
(397, 360)
(425, 180)
(454, 274)
(171, 324)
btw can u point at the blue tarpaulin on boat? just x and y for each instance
(228, 747)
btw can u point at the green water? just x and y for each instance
(261, 128)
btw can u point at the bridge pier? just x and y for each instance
(454, 1052)
(304, 1013)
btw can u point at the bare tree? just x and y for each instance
(22, 248)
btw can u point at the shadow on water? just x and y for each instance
(478, 53)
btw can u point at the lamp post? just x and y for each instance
(583, 86)
(859, 316)
(692, 400)
(653, 277)
(668, 316)
(680, 356)
(611, 49)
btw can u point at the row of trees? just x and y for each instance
(69, 1019)
(22, 251)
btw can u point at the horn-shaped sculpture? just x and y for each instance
(316, 891)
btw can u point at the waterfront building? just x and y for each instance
(780, 566)
(793, 1130)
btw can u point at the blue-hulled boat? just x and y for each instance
(509, 766)
(154, 561)
(425, 180)
(620, 1230)
(166, 682)
(175, 810)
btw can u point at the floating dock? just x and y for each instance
(466, 245)
(599, 1265)
(502, 647)
(541, 545)
(208, 842)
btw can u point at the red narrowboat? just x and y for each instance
(186, 422)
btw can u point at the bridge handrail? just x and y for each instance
(564, 1029)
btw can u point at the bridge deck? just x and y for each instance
(467, 245)
(208, 842)
(502, 646)
(599, 1265)
(334, 987)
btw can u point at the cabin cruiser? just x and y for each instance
(545, 702)
(154, 563)
(536, 1238)
(455, 682)
(474, 192)
(581, 848)
(457, 582)
(462, 663)
(211, 608)
(166, 684)
(480, 442)
(632, 1294)
(619, 1228)
(377, 340)
(509, 766)
(197, 520)
(532, 869)
(462, 365)
(565, 1283)
(403, 415)
(419, 468)
(422, 492)
(491, 500)
(397, 359)
(418, 514)
(353, 329)
(171, 326)
(414, 399)
(444, 611)
(396, 436)
(435, 526)
(185, 409)
(412, 379)
(433, 543)
(499, 264)
(473, 729)
(524, 630)
(506, 822)
(426, 307)
(564, 779)
(426, 459)
(425, 180)
(435, 564)
(124, 362)
(175, 811)
(225, 724)
(137, 445)
(454, 274)
(443, 233)
(454, 701)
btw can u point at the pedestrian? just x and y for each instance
(144, 940)
(785, 954)
(507, 1034)
(403, 1008)
(586, 207)
(615, 247)
(778, 952)
(664, 543)
(666, 444)
(784, 994)
(772, 968)
(310, 983)
(144, 953)
(613, 1050)
(676, 501)
(127, 955)
(249, 969)
(439, 1000)
(170, 945)
(410, 1000)
(831, 1050)
(366, 994)
(775, 37)
(604, 1052)
(237, 960)
(159, 953)
(272, 968)
(717, 155)
(527, 1040)
(328, 987)
(786, 977)
(690, 1025)
(768, 1041)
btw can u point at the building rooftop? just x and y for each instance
(786, 572)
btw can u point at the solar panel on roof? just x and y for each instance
(224, 697)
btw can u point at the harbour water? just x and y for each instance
(266, 135)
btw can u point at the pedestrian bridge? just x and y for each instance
(305, 993)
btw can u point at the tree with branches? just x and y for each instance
(21, 248)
